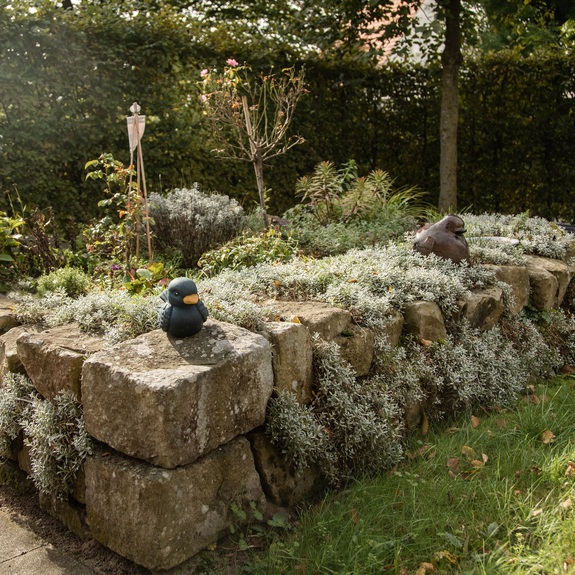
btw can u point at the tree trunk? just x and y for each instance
(451, 60)
(259, 170)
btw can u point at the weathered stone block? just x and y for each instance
(68, 512)
(560, 271)
(292, 358)
(544, 287)
(281, 484)
(8, 318)
(53, 358)
(169, 401)
(157, 517)
(483, 308)
(9, 359)
(320, 318)
(356, 347)
(518, 278)
(394, 327)
(424, 320)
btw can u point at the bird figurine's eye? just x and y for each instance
(176, 292)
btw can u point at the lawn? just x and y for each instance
(490, 492)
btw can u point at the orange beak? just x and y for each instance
(192, 299)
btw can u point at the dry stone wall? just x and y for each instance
(178, 422)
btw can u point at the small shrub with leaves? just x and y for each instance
(16, 394)
(350, 429)
(73, 281)
(193, 222)
(58, 442)
(270, 246)
(535, 235)
(114, 314)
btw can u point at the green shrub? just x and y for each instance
(350, 429)
(73, 281)
(115, 314)
(58, 442)
(270, 246)
(16, 392)
(341, 211)
(193, 222)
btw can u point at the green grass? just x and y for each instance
(489, 494)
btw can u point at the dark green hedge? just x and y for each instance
(66, 84)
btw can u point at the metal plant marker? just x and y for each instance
(136, 127)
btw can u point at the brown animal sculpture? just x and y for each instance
(444, 239)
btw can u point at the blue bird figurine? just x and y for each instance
(183, 313)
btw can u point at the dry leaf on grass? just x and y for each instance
(547, 437)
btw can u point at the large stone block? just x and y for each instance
(544, 287)
(8, 316)
(393, 327)
(558, 269)
(53, 358)
(292, 358)
(482, 308)
(320, 318)
(281, 484)
(518, 278)
(424, 320)
(158, 517)
(9, 359)
(169, 401)
(356, 347)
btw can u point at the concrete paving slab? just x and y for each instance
(24, 553)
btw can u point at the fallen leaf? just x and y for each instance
(295, 319)
(352, 281)
(536, 512)
(477, 463)
(421, 451)
(475, 422)
(469, 452)
(484, 457)
(531, 398)
(547, 437)
(570, 471)
(354, 516)
(447, 555)
(425, 342)
(567, 504)
(277, 283)
(567, 369)
(501, 423)
(425, 568)
(453, 464)
(452, 430)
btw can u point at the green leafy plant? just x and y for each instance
(145, 280)
(341, 195)
(118, 235)
(55, 433)
(10, 236)
(270, 246)
(16, 393)
(73, 281)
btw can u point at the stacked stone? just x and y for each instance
(178, 422)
